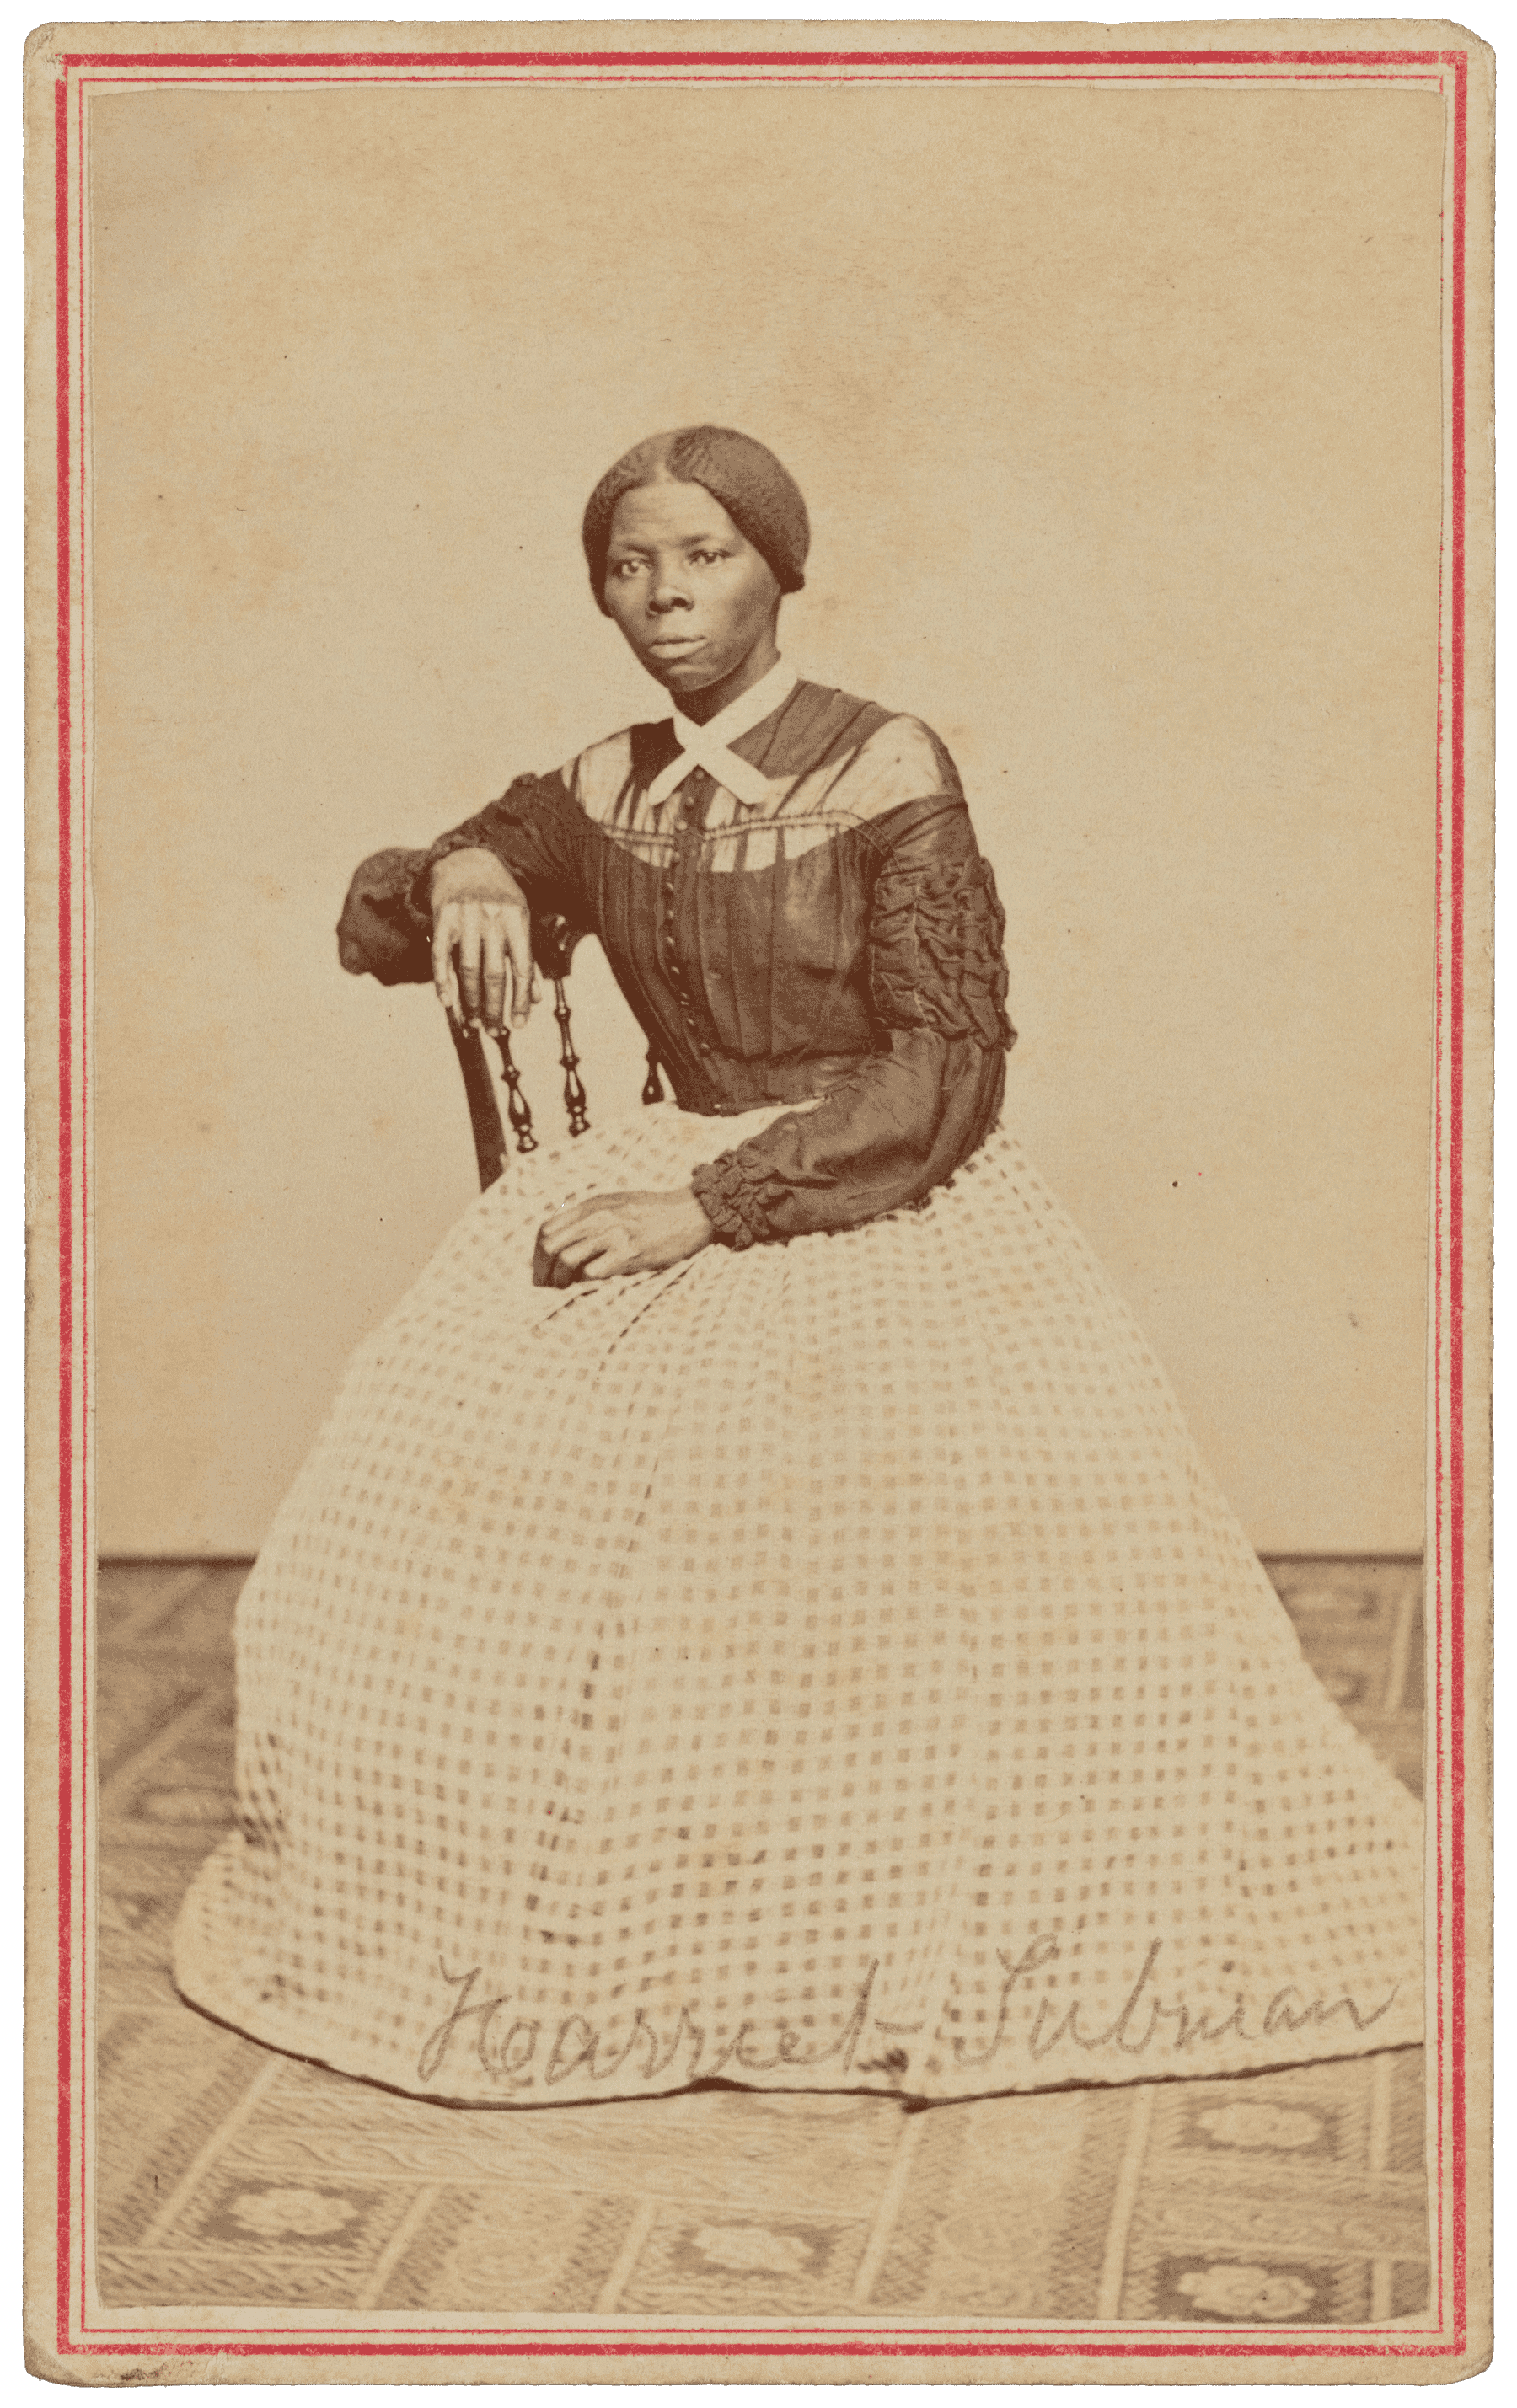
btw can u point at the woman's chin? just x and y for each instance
(683, 673)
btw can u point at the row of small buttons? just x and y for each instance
(698, 790)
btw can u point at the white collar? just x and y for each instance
(706, 747)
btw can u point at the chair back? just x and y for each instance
(553, 949)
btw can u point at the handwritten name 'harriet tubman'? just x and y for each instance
(511, 2046)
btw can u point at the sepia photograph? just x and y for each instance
(760, 852)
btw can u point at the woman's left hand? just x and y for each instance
(607, 1236)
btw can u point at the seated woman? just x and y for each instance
(754, 1610)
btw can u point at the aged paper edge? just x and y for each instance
(70, 2339)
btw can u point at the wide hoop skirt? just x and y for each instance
(825, 1665)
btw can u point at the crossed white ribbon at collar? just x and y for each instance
(706, 747)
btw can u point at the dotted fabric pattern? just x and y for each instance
(823, 1666)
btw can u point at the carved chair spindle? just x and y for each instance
(553, 949)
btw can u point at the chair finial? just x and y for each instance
(516, 1103)
(576, 1102)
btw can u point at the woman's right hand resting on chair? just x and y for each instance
(482, 941)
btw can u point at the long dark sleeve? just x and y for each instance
(535, 828)
(905, 1120)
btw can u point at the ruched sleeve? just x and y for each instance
(913, 1111)
(535, 827)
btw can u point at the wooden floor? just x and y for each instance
(230, 2174)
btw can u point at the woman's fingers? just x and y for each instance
(493, 943)
(444, 938)
(602, 1236)
(482, 956)
(577, 1261)
(567, 1260)
(562, 1222)
(517, 929)
(573, 1241)
(590, 1242)
(468, 956)
(618, 1255)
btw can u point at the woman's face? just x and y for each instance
(692, 596)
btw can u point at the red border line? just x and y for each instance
(66, 1220)
(1333, 80)
(748, 58)
(85, 2067)
(1447, 289)
(893, 2341)
(755, 2328)
(887, 2345)
(1456, 1211)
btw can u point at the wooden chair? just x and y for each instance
(553, 949)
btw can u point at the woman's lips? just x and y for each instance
(675, 643)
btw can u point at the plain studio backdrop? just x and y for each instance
(1118, 413)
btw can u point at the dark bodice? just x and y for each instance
(840, 941)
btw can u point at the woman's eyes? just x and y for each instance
(633, 567)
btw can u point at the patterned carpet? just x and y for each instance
(229, 2174)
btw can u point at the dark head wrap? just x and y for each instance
(763, 500)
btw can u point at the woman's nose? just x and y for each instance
(668, 594)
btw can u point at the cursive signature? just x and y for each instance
(523, 2051)
(1177, 2021)
(509, 2050)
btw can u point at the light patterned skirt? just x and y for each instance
(823, 1667)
